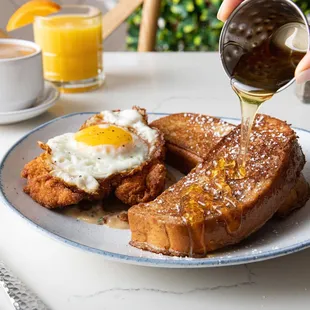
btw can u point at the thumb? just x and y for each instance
(227, 8)
(302, 72)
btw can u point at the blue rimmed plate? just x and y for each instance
(276, 238)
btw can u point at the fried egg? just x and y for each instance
(122, 141)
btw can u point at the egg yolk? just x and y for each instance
(95, 135)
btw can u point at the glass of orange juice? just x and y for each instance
(71, 42)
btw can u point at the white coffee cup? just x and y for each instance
(21, 78)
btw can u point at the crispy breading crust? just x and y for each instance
(141, 184)
(48, 190)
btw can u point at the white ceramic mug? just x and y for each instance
(21, 78)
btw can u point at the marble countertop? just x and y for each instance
(70, 279)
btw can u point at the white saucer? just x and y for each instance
(43, 103)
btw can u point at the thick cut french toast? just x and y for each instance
(189, 139)
(211, 207)
(297, 198)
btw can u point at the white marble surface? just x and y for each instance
(67, 278)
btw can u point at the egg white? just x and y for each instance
(79, 164)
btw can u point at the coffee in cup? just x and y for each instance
(9, 50)
(21, 74)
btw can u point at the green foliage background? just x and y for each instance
(186, 25)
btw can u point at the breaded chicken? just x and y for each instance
(140, 184)
(50, 191)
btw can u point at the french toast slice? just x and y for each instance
(210, 207)
(189, 139)
(297, 198)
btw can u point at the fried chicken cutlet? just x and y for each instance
(114, 151)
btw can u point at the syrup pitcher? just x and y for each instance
(261, 45)
(263, 34)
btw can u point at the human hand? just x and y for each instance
(302, 72)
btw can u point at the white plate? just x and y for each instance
(276, 238)
(43, 103)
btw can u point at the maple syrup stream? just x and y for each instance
(262, 71)
(257, 76)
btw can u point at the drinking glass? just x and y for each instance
(71, 42)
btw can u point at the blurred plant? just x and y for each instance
(186, 25)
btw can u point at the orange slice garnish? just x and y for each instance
(26, 14)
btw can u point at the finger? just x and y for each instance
(226, 9)
(302, 72)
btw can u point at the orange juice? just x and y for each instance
(72, 48)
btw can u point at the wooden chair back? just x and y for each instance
(150, 12)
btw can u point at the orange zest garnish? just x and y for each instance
(26, 14)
